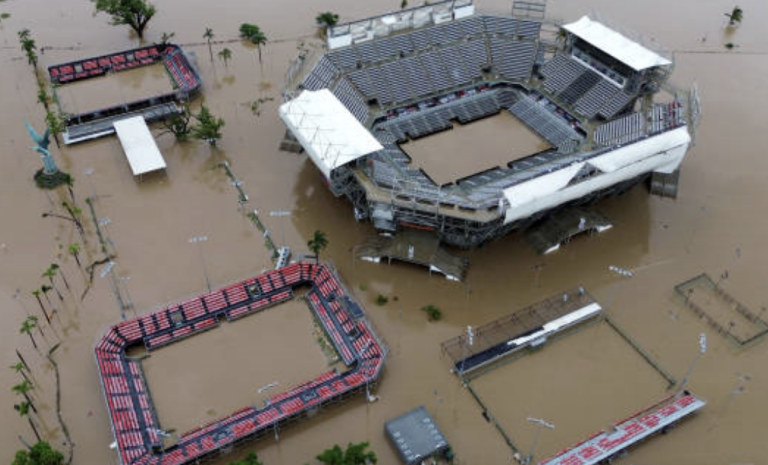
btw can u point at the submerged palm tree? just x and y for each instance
(318, 243)
(27, 327)
(735, 16)
(225, 55)
(208, 36)
(253, 33)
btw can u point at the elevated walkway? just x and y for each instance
(417, 247)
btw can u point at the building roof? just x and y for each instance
(139, 145)
(616, 45)
(415, 436)
(325, 128)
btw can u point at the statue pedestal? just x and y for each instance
(51, 181)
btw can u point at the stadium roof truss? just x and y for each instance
(615, 44)
(330, 134)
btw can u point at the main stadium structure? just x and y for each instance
(600, 99)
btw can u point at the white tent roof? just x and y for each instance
(327, 130)
(139, 145)
(616, 45)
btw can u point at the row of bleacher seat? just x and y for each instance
(620, 131)
(91, 67)
(586, 90)
(439, 36)
(541, 119)
(132, 413)
(665, 116)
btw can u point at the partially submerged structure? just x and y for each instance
(99, 122)
(584, 88)
(416, 437)
(529, 327)
(138, 433)
(605, 445)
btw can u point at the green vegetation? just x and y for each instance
(27, 327)
(404, 4)
(208, 127)
(225, 55)
(29, 47)
(133, 13)
(40, 454)
(326, 20)
(256, 105)
(433, 313)
(208, 36)
(253, 33)
(381, 299)
(735, 16)
(5, 15)
(355, 454)
(179, 124)
(730, 45)
(317, 244)
(250, 459)
(363, 287)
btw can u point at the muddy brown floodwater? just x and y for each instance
(715, 225)
(452, 154)
(115, 89)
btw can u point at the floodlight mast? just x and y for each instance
(702, 351)
(541, 424)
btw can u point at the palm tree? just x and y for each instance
(26, 328)
(20, 368)
(404, 4)
(23, 409)
(36, 293)
(23, 389)
(74, 250)
(225, 55)
(318, 243)
(326, 20)
(735, 16)
(56, 267)
(208, 36)
(253, 33)
(49, 273)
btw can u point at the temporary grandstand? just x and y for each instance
(605, 445)
(139, 436)
(99, 122)
(584, 88)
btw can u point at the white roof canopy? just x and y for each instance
(327, 130)
(139, 145)
(616, 45)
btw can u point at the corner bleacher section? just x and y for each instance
(541, 116)
(590, 93)
(99, 122)
(132, 414)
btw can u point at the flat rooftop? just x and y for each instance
(211, 375)
(115, 89)
(468, 149)
(415, 436)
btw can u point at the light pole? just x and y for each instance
(281, 214)
(702, 351)
(540, 424)
(197, 240)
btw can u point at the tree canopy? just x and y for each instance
(253, 33)
(355, 454)
(208, 127)
(40, 454)
(133, 13)
(318, 243)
